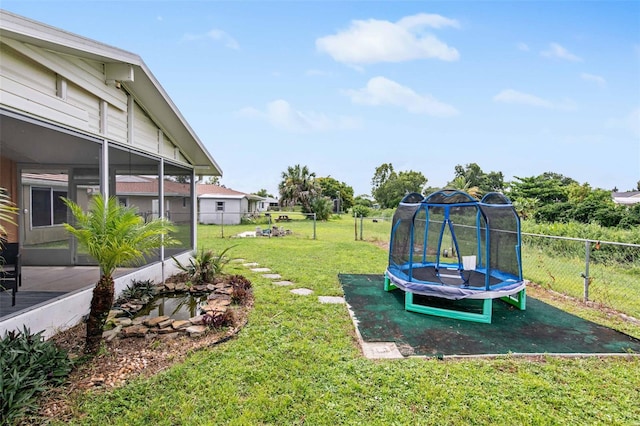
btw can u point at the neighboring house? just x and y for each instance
(224, 206)
(268, 204)
(142, 192)
(626, 198)
(76, 116)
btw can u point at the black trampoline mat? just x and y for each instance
(541, 328)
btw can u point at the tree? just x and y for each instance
(382, 174)
(545, 188)
(298, 186)
(212, 180)
(393, 189)
(114, 236)
(363, 200)
(475, 177)
(335, 190)
(321, 206)
(264, 193)
(460, 183)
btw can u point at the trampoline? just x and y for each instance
(450, 245)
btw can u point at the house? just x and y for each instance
(78, 116)
(626, 198)
(223, 206)
(268, 204)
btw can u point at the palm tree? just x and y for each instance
(7, 211)
(114, 236)
(462, 184)
(298, 186)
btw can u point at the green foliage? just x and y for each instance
(360, 211)
(264, 193)
(362, 200)
(28, 364)
(333, 189)
(298, 185)
(546, 188)
(389, 187)
(322, 207)
(474, 177)
(205, 265)
(142, 290)
(115, 235)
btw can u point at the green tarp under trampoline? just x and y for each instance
(542, 328)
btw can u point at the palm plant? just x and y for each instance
(7, 211)
(114, 236)
(203, 267)
(298, 185)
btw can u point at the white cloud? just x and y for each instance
(522, 46)
(215, 35)
(630, 122)
(371, 41)
(557, 51)
(382, 91)
(281, 115)
(600, 81)
(510, 96)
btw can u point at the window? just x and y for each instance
(47, 207)
(219, 206)
(123, 201)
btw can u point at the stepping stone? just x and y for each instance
(381, 350)
(237, 261)
(283, 283)
(272, 276)
(302, 291)
(331, 299)
(260, 269)
(251, 264)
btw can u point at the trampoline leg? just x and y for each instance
(387, 284)
(484, 317)
(519, 300)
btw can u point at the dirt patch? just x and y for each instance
(123, 359)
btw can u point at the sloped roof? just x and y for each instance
(144, 87)
(215, 191)
(628, 197)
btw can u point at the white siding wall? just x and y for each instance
(86, 101)
(145, 132)
(208, 215)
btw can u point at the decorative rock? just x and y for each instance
(109, 335)
(331, 299)
(116, 313)
(124, 322)
(180, 324)
(196, 330)
(197, 320)
(170, 286)
(302, 291)
(211, 287)
(135, 331)
(152, 322)
(166, 330)
(283, 283)
(166, 323)
(237, 260)
(260, 269)
(181, 287)
(249, 265)
(272, 276)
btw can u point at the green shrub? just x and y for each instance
(142, 290)
(203, 267)
(28, 364)
(360, 211)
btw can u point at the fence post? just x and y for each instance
(355, 226)
(586, 270)
(361, 222)
(222, 223)
(314, 226)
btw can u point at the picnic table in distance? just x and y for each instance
(283, 218)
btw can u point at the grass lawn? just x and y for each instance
(297, 361)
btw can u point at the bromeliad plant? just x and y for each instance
(204, 266)
(114, 236)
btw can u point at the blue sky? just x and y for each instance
(520, 87)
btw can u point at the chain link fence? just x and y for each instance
(601, 272)
(604, 272)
